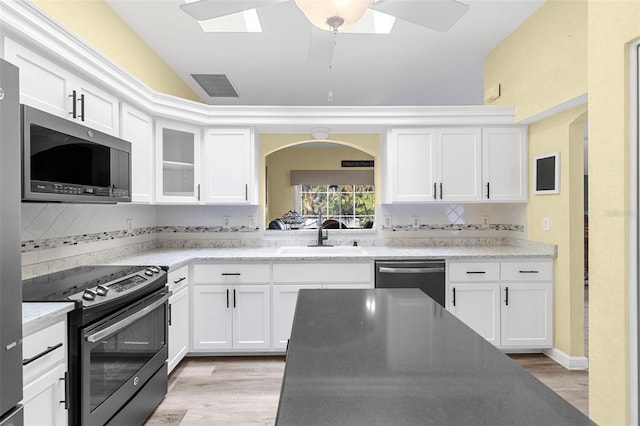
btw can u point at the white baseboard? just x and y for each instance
(568, 362)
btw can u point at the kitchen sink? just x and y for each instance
(320, 250)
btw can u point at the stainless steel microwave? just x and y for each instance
(63, 161)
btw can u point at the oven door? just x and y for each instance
(119, 355)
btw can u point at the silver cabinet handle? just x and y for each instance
(387, 270)
(125, 322)
(528, 272)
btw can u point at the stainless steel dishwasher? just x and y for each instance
(427, 275)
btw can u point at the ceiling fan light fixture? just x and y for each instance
(331, 15)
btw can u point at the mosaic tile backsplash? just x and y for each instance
(79, 233)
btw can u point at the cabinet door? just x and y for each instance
(49, 87)
(178, 169)
(212, 317)
(229, 159)
(478, 306)
(43, 399)
(251, 316)
(178, 327)
(459, 165)
(43, 84)
(412, 164)
(505, 171)
(95, 107)
(527, 315)
(137, 128)
(284, 298)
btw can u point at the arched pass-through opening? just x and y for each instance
(347, 155)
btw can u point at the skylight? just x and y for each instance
(243, 22)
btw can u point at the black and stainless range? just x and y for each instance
(117, 337)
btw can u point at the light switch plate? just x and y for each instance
(415, 222)
(387, 221)
(226, 221)
(252, 221)
(546, 224)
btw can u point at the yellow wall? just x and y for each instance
(564, 50)
(612, 26)
(280, 164)
(270, 143)
(543, 63)
(563, 133)
(96, 23)
(540, 65)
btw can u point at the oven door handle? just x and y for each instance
(95, 337)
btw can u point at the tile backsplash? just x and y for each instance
(56, 236)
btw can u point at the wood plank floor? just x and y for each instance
(245, 390)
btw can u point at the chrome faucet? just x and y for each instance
(321, 235)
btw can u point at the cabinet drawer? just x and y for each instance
(526, 271)
(322, 273)
(473, 271)
(45, 348)
(232, 273)
(178, 279)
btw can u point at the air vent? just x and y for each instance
(216, 85)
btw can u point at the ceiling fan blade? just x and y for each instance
(321, 46)
(209, 9)
(439, 15)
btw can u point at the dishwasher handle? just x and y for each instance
(387, 270)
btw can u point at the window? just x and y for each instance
(343, 206)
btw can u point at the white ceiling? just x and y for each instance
(411, 66)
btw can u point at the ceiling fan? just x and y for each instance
(331, 16)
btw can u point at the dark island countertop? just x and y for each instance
(395, 357)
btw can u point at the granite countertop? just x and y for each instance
(177, 257)
(394, 356)
(37, 314)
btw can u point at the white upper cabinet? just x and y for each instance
(456, 164)
(459, 161)
(412, 165)
(51, 88)
(137, 128)
(229, 166)
(434, 165)
(178, 162)
(504, 164)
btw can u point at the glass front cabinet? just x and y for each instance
(178, 169)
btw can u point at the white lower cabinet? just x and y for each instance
(43, 399)
(231, 308)
(478, 306)
(44, 376)
(283, 301)
(289, 278)
(527, 315)
(509, 302)
(178, 327)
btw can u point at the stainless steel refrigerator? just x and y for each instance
(10, 257)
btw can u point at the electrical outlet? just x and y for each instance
(226, 221)
(485, 221)
(387, 221)
(415, 222)
(252, 221)
(546, 224)
(129, 225)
